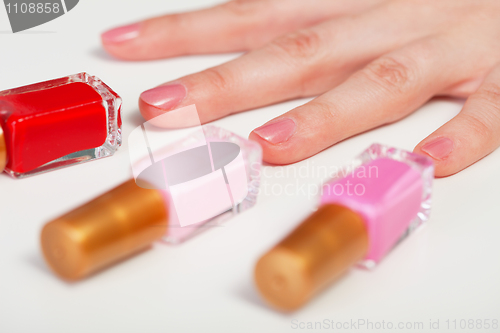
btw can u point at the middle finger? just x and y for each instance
(301, 64)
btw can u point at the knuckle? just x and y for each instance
(244, 7)
(326, 109)
(486, 118)
(219, 78)
(479, 126)
(391, 73)
(490, 93)
(174, 19)
(327, 115)
(298, 45)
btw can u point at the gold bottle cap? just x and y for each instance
(115, 225)
(319, 250)
(3, 151)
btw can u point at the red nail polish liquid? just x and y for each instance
(57, 123)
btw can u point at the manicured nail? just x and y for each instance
(438, 148)
(165, 97)
(277, 132)
(121, 34)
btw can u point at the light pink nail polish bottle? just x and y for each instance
(204, 178)
(185, 187)
(363, 214)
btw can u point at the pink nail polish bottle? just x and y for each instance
(181, 189)
(205, 177)
(363, 214)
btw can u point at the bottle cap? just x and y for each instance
(319, 250)
(3, 151)
(115, 225)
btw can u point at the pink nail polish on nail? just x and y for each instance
(277, 132)
(121, 34)
(164, 97)
(438, 148)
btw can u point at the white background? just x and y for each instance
(449, 269)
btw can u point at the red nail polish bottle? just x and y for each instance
(57, 123)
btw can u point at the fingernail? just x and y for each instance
(438, 148)
(165, 97)
(121, 34)
(277, 132)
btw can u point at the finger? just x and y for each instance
(386, 90)
(471, 135)
(234, 26)
(304, 63)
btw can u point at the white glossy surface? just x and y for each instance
(447, 270)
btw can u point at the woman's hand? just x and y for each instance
(370, 62)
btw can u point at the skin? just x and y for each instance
(369, 62)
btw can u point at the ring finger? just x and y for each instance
(386, 90)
